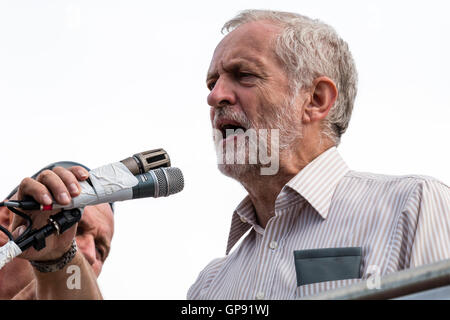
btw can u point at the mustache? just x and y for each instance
(227, 113)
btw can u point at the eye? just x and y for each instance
(80, 230)
(100, 252)
(246, 78)
(244, 74)
(211, 84)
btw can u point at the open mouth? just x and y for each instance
(228, 128)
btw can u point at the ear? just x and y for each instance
(323, 95)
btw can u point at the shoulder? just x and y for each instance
(205, 278)
(211, 268)
(406, 181)
(410, 188)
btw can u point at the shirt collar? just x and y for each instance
(315, 183)
(242, 220)
(318, 180)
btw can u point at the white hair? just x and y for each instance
(308, 49)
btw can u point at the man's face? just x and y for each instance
(94, 234)
(249, 87)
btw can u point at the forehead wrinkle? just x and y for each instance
(242, 62)
(236, 63)
(237, 43)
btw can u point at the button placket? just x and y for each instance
(273, 245)
(268, 250)
(259, 295)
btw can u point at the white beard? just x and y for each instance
(238, 161)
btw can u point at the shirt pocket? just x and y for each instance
(324, 265)
(319, 287)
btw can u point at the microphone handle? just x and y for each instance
(114, 183)
(147, 186)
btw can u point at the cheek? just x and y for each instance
(269, 95)
(261, 104)
(249, 101)
(97, 267)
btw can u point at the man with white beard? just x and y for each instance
(312, 223)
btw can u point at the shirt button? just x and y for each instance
(273, 245)
(243, 219)
(260, 295)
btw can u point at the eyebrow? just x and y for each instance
(236, 64)
(84, 225)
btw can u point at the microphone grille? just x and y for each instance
(170, 181)
(176, 180)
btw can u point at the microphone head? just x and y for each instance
(170, 181)
(146, 161)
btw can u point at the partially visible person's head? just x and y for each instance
(94, 234)
(308, 48)
(265, 73)
(96, 227)
(248, 89)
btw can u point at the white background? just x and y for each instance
(97, 81)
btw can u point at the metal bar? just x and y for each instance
(393, 285)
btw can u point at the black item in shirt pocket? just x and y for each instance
(319, 265)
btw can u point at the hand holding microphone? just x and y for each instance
(58, 185)
(147, 174)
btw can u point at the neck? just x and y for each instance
(264, 190)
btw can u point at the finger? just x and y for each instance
(69, 179)
(79, 172)
(35, 189)
(17, 232)
(55, 185)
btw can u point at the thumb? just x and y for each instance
(18, 231)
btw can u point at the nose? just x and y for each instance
(87, 247)
(222, 94)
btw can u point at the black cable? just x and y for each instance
(27, 218)
(21, 214)
(5, 231)
(59, 223)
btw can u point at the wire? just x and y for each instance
(11, 203)
(27, 218)
(5, 231)
(19, 213)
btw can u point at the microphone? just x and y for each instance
(114, 182)
(131, 178)
(161, 182)
(147, 160)
(139, 163)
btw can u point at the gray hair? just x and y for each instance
(308, 49)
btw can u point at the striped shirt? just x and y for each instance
(398, 221)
